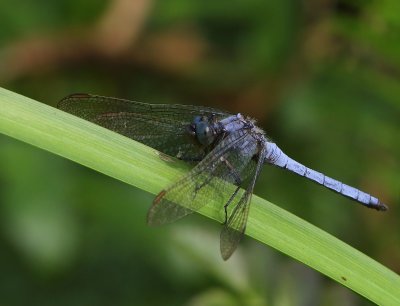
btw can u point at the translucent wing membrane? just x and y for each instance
(89, 106)
(161, 126)
(235, 227)
(231, 161)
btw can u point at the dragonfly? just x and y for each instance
(226, 150)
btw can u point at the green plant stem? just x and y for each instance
(134, 163)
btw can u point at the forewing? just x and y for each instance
(235, 227)
(227, 163)
(161, 126)
(88, 106)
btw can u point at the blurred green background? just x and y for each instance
(321, 77)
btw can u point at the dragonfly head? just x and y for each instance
(203, 130)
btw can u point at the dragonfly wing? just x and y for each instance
(165, 211)
(170, 137)
(88, 106)
(235, 227)
(161, 126)
(212, 178)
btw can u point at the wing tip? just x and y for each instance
(229, 241)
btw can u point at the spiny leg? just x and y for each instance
(238, 182)
(227, 204)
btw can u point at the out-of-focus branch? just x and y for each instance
(121, 25)
(113, 38)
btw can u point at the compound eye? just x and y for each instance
(204, 133)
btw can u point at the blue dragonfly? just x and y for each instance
(224, 148)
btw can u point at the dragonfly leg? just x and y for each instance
(234, 173)
(229, 202)
(238, 182)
